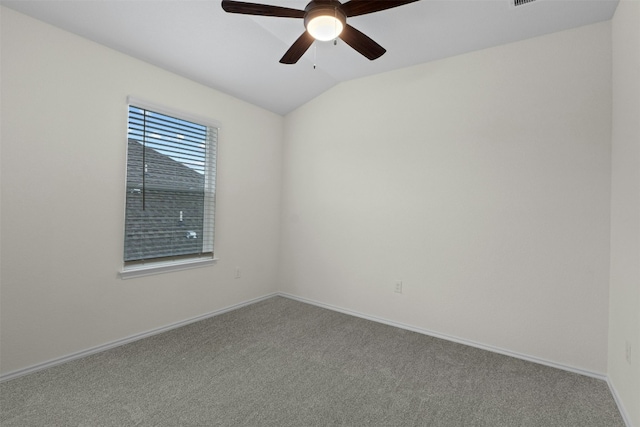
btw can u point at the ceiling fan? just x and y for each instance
(324, 20)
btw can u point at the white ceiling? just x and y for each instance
(239, 54)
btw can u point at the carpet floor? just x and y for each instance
(281, 362)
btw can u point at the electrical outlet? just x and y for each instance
(398, 287)
(627, 352)
(237, 275)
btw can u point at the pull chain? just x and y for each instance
(335, 40)
(335, 25)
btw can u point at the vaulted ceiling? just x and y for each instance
(239, 54)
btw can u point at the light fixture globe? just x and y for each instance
(325, 28)
(324, 21)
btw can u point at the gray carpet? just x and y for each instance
(280, 362)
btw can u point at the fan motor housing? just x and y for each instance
(324, 8)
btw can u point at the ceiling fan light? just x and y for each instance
(324, 27)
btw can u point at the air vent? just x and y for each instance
(517, 3)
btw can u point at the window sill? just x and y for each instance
(164, 267)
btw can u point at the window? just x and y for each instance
(170, 191)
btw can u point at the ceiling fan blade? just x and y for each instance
(362, 43)
(362, 7)
(297, 49)
(233, 6)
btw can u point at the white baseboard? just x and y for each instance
(470, 343)
(621, 408)
(598, 375)
(126, 340)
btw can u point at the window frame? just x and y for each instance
(177, 263)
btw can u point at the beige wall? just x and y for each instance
(624, 308)
(63, 135)
(481, 181)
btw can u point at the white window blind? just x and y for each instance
(170, 193)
